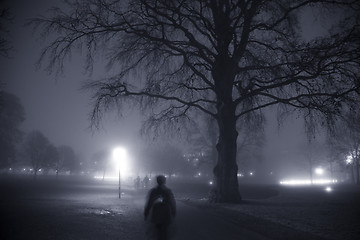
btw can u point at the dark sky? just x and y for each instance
(56, 107)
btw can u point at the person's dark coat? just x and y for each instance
(161, 204)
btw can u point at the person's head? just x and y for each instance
(161, 180)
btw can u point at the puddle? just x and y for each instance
(97, 211)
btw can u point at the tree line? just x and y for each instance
(31, 149)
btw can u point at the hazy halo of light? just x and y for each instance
(121, 161)
(328, 189)
(294, 182)
(319, 171)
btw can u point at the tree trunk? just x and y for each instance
(357, 165)
(225, 171)
(35, 174)
(352, 173)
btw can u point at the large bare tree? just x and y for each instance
(225, 58)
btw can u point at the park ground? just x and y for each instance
(78, 208)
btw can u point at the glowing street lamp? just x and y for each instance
(119, 155)
(319, 171)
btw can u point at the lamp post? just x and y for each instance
(119, 155)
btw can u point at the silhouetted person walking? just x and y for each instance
(146, 181)
(162, 208)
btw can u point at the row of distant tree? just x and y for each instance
(31, 149)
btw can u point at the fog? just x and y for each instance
(56, 106)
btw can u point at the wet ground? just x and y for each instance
(77, 208)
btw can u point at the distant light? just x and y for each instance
(115, 178)
(349, 160)
(240, 175)
(31, 169)
(328, 189)
(40, 170)
(211, 183)
(10, 169)
(199, 174)
(319, 171)
(24, 169)
(295, 182)
(251, 173)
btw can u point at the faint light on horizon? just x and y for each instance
(298, 182)
(114, 178)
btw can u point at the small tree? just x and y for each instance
(100, 161)
(39, 152)
(12, 114)
(67, 160)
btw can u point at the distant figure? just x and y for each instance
(137, 182)
(161, 203)
(146, 182)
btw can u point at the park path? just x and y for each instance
(195, 223)
(70, 211)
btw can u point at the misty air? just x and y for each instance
(180, 119)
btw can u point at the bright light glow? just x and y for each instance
(211, 183)
(349, 160)
(119, 153)
(240, 175)
(251, 173)
(199, 174)
(328, 189)
(319, 171)
(295, 182)
(40, 170)
(121, 160)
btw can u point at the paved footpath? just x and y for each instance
(194, 223)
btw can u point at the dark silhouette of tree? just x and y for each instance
(39, 152)
(5, 17)
(67, 160)
(224, 58)
(12, 114)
